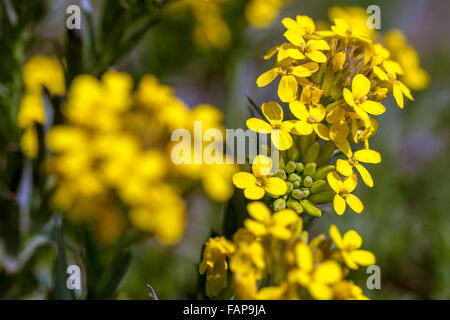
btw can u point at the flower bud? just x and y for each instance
(322, 197)
(310, 208)
(294, 205)
(306, 192)
(290, 167)
(281, 174)
(322, 172)
(297, 184)
(279, 204)
(294, 177)
(319, 185)
(325, 154)
(294, 152)
(289, 187)
(312, 153)
(299, 167)
(297, 194)
(307, 181)
(310, 169)
(337, 62)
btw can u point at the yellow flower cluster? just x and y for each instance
(273, 258)
(38, 73)
(210, 29)
(111, 156)
(261, 13)
(333, 81)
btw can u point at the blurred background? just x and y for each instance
(406, 222)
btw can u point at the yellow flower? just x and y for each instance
(316, 278)
(264, 223)
(310, 120)
(399, 90)
(215, 265)
(312, 48)
(343, 30)
(349, 246)
(343, 193)
(290, 73)
(347, 290)
(261, 13)
(257, 184)
(44, 71)
(302, 24)
(345, 167)
(274, 114)
(357, 98)
(248, 260)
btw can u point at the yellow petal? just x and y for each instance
(336, 236)
(287, 89)
(360, 86)
(301, 72)
(344, 146)
(351, 182)
(398, 95)
(405, 91)
(273, 112)
(267, 77)
(270, 53)
(361, 112)
(243, 180)
(339, 204)
(261, 166)
(317, 112)
(349, 260)
(352, 240)
(281, 232)
(255, 227)
(304, 257)
(373, 107)
(328, 272)
(303, 128)
(294, 37)
(312, 66)
(354, 203)
(259, 211)
(285, 217)
(259, 125)
(318, 45)
(335, 182)
(281, 139)
(367, 156)
(298, 109)
(316, 56)
(320, 291)
(343, 167)
(380, 74)
(348, 97)
(365, 175)
(254, 192)
(275, 186)
(363, 257)
(322, 131)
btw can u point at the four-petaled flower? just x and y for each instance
(349, 246)
(344, 194)
(345, 167)
(310, 120)
(257, 184)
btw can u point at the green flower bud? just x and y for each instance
(297, 184)
(322, 172)
(312, 153)
(290, 187)
(294, 152)
(310, 169)
(281, 174)
(310, 208)
(306, 192)
(290, 167)
(279, 204)
(299, 167)
(294, 177)
(319, 185)
(307, 181)
(326, 151)
(305, 141)
(322, 197)
(294, 205)
(297, 194)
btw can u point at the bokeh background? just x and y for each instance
(406, 221)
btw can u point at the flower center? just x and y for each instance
(311, 120)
